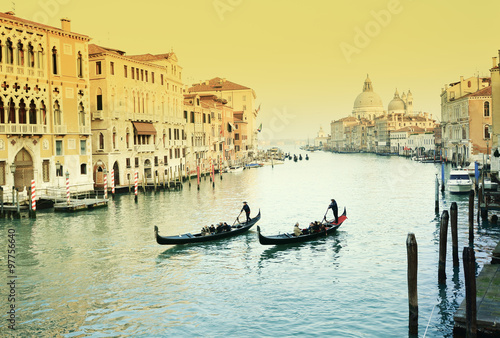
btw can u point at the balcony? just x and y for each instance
(98, 115)
(115, 115)
(60, 130)
(144, 148)
(23, 129)
(84, 130)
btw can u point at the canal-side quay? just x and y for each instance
(114, 279)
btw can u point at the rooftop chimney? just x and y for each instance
(10, 13)
(66, 24)
(494, 61)
(461, 78)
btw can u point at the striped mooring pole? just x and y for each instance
(113, 182)
(67, 189)
(135, 185)
(33, 196)
(105, 185)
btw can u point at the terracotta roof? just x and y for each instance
(413, 129)
(151, 57)
(95, 49)
(483, 92)
(216, 83)
(11, 16)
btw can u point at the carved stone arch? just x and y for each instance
(24, 170)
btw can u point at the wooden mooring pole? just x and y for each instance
(436, 204)
(470, 291)
(471, 215)
(443, 236)
(412, 257)
(454, 232)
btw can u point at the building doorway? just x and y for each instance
(24, 170)
(116, 169)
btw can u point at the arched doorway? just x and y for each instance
(99, 174)
(117, 173)
(24, 170)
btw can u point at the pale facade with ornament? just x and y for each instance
(44, 106)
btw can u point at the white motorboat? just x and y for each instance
(234, 169)
(459, 181)
(488, 184)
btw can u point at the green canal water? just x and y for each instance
(101, 273)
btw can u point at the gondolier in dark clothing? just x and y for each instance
(335, 210)
(246, 208)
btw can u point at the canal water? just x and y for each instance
(102, 274)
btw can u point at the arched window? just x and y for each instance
(32, 112)
(81, 114)
(31, 56)
(486, 109)
(1, 52)
(43, 113)
(54, 61)
(487, 135)
(79, 64)
(39, 57)
(57, 113)
(12, 111)
(20, 54)
(9, 53)
(101, 141)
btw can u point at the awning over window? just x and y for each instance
(144, 128)
(230, 127)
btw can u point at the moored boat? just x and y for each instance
(187, 238)
(329, 228)
(459, 181)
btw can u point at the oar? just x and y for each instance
(324, 217)
(237, 217)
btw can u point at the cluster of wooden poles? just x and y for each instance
(469, 262)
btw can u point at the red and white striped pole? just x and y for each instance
(113, 181)
(67, 188)
(33, 196)
(135, 185)
(105, 184)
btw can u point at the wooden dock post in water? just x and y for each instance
(454, 231)
(470, 291)
(436, 204)
(443, 236)
(471, 215)
(442, 177)
(412, 257)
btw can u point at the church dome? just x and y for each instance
(368, 98)
(396, 105)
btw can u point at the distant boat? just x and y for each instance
(234, 169)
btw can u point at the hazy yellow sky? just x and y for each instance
(306, 60)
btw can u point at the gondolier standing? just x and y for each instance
(335, 210)
(246, 208)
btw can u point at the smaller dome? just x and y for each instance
(396, 104)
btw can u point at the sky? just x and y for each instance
(306, 60)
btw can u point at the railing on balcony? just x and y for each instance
(19, 129)
(84, 130)
(98, 114)
(144, 148)
(61, 129)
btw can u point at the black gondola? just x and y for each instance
(198, 238)
(331, 227)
